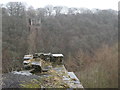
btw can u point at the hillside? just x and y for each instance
(87, 38)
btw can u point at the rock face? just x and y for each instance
(57, 77)
(68, 77)
(51, 75)
(13, 80)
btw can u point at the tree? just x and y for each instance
(72, 10)
(31, 12)
(41, 13)
(49, 9)
(16, 8)
(58, 9)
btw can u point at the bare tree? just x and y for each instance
(16, 8)
(49, 9)
(31, 12)
(58, 9)
(72, 10)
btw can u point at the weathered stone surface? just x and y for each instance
(57, 77)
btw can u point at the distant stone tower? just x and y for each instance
(34, 25)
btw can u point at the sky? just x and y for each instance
(90, 4)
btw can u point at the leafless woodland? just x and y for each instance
(87, 38)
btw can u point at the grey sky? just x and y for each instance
(90, 4)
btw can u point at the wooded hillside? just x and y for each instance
(87, 38)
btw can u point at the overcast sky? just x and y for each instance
(90, 4)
